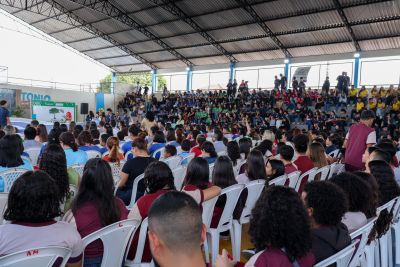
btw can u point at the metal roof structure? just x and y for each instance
(139, 35)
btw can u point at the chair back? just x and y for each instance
(342, 258)
(324, 171)
(141, 242)
(91, 154)
(79, 169)
(387, 206)
(179, 176)
(211, 169)
(222, 153)
(9, 176)
(361, 234)
(3, 205)
(37, 257)
(134, 190)
(232, 196)
(116, 170)
(335, 153)
(281, 180)
(115, 238)
(185, 160)
(307, 175)
(396, 210)
(159, 153)
(173, 162)
(33, 153)
(293, 178)
(332, 170)
(208, 209)
(129, 155)
(254, 190)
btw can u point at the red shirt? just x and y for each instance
(276, 257)
(289, 168)
(356, 144)
(304, 164)
(196, 150)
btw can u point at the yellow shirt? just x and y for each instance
(359, 106)
(375, 94)
(381, 105)
(383, 93)
(372, 105)
(363, 93)
(353, 92)
(396, 106)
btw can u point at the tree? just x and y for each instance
(133, 78)
(54, 111)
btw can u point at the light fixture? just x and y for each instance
(187, 68)
(286, 61)
(357, 55)
(152, 71)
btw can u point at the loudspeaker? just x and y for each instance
(84, 108)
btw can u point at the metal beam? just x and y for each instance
(112, 11)
(171, 7)
(347, 24)
(249, 9)
(57, 11)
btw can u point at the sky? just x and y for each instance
(27, 55)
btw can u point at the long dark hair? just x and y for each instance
(233, 151)
(157, 176)
(54, 163)
(11, 148)
(255, 166)
(223, 175)
(42, 132)
(383, 173)
(197, 173)
(33, 198)
(209, 148)
(97, 186)
(278, 166)
(68, 139)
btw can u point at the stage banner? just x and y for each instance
(49, 111)
(302, 72)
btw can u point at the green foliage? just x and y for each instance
(132, 79)
(18, 112)
(54, 111)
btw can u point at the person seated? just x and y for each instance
(32, 223)
(274, 213)
(286, 153)
(326, 205)
(74, 156)
(254, 168)
(133, 134)
(196, 182)
(103, 143)
(132, 169)
(158, 142)
(274, 169)
(208, 152)
(170, 151)
(330, 144)
(171, 138)
(159, 180)
(121, 138)
(359, 196)
(29, 138)
(303, 162)
(113, 156)
(200, 139)
(185, 147)
(172, 237)
(95, 207)
(218, 143)
(85, 142)
(233, 151)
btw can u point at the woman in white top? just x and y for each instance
(254, 168)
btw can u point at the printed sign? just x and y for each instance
(49, 111)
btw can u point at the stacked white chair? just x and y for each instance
(92, 154)
(186, 160)
(225, 222)
(341, 259)
(362, 235)
(9, 176)
(37, 257)
(254, 190)
(79, 169)
(116, 171)
(281, 180)
(293, 178)
(179, 176)
(3, 205)
(396, 231)
(159, 153)
(324, 171)
(332, 170)
(115, 238)
(173, 162)
(211, 169)
(134, 190)
(335, 153)
(33, 153)
(137, 261)
(309, 175)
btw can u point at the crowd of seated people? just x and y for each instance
(240, 139)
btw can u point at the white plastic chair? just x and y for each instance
(396, 230)
(73, 190)
(340, 168)
(335, 153)
(128, 154)
(134, 190)
(33, 153)
(173, 162)
(254, 190)
(309, 175)
(79, 169)
(9, 176)
(211, 169)
(332, 169)
(115, 238)
(281, 180)
(222, 153)
(324, 171)
(179, 176)
(293, 178)
(116, 171)
(225, 222)
(91, 154)
(362, 235)
(342, 258)
(3, 205)
(37, 257)
(186, 160)
(159, 152)
(207, 214)
(137, 261)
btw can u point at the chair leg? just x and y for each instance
(206, 249)
(214, 246)
(237, 232)
(370, 254)
(383, 249)
(396, 229)
(390, 248)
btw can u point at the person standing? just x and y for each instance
(277, 82)
(295, 84)
(283, 82)
(326, 86)
(229, 88)
(359, 137)
(302, 86)
(234, 88)
(4, 114)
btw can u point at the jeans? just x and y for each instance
(92, 261)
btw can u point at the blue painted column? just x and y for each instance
(153, 81)
(287, 63)
(113, 82)
(232, 69)
(189, 77)
(356, 69)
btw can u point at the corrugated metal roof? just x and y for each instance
(303, 27)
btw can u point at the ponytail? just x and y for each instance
(113, 145)
(68, 139)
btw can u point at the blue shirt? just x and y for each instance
(27, 165)
(174, 143)
(210, 160)
(74, 158)
(127, 146)
(4, 114)
(155, 147)
(86, 148)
